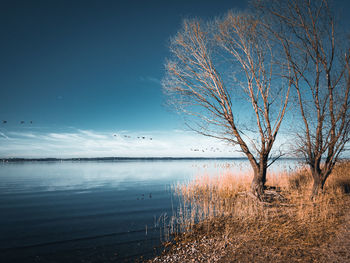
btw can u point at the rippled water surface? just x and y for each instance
(92, 211)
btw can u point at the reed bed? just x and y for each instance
(295, 229)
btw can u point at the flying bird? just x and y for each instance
(22, 122)
(4, 121)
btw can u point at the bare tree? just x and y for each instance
(214, 67)
(319, 63)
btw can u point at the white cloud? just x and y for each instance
(88, 143)
(22, 134)
(93, 134)
(4, 135)
(62, 136)
(150, 79)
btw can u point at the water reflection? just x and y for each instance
(51, 209)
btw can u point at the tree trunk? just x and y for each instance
(318, 183)
(258, 183)
(316, 188)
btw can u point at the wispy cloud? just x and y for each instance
(150, 79)
(92, 134)
(88, 143)
(4, 135)
(22, 134)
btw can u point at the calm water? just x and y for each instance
(91, 211)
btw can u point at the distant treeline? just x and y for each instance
(124, 159)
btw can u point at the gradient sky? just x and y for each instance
(87, 73)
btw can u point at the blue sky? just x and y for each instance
(89, 68)
(87, 73)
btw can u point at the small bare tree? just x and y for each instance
(319, 63)
(216, 65)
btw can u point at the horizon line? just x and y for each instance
(114, 158)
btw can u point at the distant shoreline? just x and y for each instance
(127, 159)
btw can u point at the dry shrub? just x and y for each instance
(339, 181)
(299, 180)
(292, 231)
(207, 197)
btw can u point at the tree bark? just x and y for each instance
(259, 180)
(316, 188)
(318, 183)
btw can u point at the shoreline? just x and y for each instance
(297, 231)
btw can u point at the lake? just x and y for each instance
(93, 211)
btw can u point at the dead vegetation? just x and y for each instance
(219, 223)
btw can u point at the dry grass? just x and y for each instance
(291, 231)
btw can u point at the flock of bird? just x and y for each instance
(138, 137)
(211, 149)
(143, 196)
(21, 122)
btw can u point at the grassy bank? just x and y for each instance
(220, 222)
